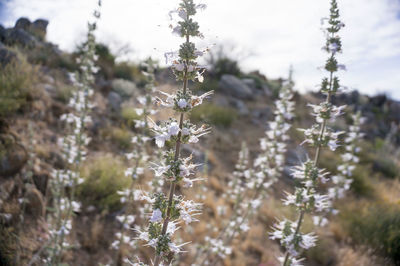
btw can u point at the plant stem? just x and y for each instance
(316, 160)
(172, 187)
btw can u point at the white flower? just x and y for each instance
(156, 216)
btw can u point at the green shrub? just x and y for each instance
(106, 61)
(212, 114)
(275, 86)
(209, 84)
(385, 165)
(123, 71)
(361, 184)
(103, 177)
(130, 71)
(322, 253)
(16, 84)
(129, 114)
(226, 65)
(122, 138)
(375, 224)
(64, 93)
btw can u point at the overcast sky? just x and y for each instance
(269, 35)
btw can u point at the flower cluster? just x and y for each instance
(305, 197)
(238, 221)
(270, 162)
(290, 237)
(73, 148)
(343, 179)
(138, 160)
(168, 211)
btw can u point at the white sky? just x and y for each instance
(274, 33)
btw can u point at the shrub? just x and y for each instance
(124, 88)
(129, 71)
(216, 115)
(377, 225)
(103, 177)
(122, 138)
(106, 60)
(16, 83)
(361, 184)
(208, 85)
(225, 65)
(64, 93)
(129, 114)
(385, 165)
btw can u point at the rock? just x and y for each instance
(250, 82)
(115, 101)
(240, 106)
(41, 181)
(39, 27)
(266, 89)
(20, 37)
(6, 56)
(235, 87)
(124, 88)
(22, 23)
(35, 204)
(14, 157)
(7, 188)
(378, 100)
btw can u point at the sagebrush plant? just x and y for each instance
(305, 198)
(341, 182)
(248, 186)
(171, 209)
(73, 145)
(138, 160)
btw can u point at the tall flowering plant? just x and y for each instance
(248, 185)
(73, 146)
(138, 160)
(172, 209)
(342, 181)
(305, 198)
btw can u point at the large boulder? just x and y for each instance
(115, 101)
(39, 28)
(124, 88)
(22, 23)
(35, 204)
(20, 37)
(6, 56)
(40, 24)
(235, 87)
(13, 156)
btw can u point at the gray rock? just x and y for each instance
(14, 158)
(235, 87)
(20, 37)
(6, 56)
(22, 23)
(266, 89)
(115, 101)
(40, 25)
(250, 82)
(124, 88)
(240, 106)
